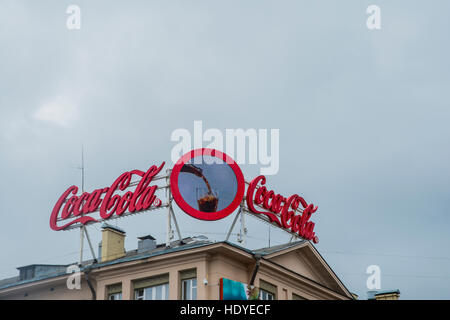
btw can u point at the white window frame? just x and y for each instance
(145, 292)
(117, 296)
(266, 295)
(193, 288)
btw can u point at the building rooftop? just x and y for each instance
(45, 271)
(42, 271)
(273, 249)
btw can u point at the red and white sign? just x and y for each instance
(282, 210)
(72, 206)
(206, 183)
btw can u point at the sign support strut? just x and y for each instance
(83, 229)
(243, 231)
(170, 213)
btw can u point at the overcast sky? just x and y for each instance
(363, 118)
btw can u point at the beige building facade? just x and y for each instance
(188, 269)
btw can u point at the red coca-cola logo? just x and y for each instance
(106, 201)
(282, 210)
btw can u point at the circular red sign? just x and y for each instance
(196, 213)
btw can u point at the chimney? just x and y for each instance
(146, 244)
(113, 243)
(383, 295)
(388, 295)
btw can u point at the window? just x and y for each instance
(188, 284)
(297, 297)
(189, 289)
(267, 290)
(264, 295)
(154, 288)
(159, 292)
(115, 296)
(114, 291)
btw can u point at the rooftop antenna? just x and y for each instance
(83, 229)
(269, 235)
(82, 168)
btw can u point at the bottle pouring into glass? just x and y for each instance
(207, 200)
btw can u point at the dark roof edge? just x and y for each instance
(281, 247)
(44, 265)
(380, 293)
(15, 284)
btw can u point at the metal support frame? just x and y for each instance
(232, 225)
(293, 238)
(83, 230)
(170, 213)
(242, 238)
(90, 244)
(243, 230)
(81, 244)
